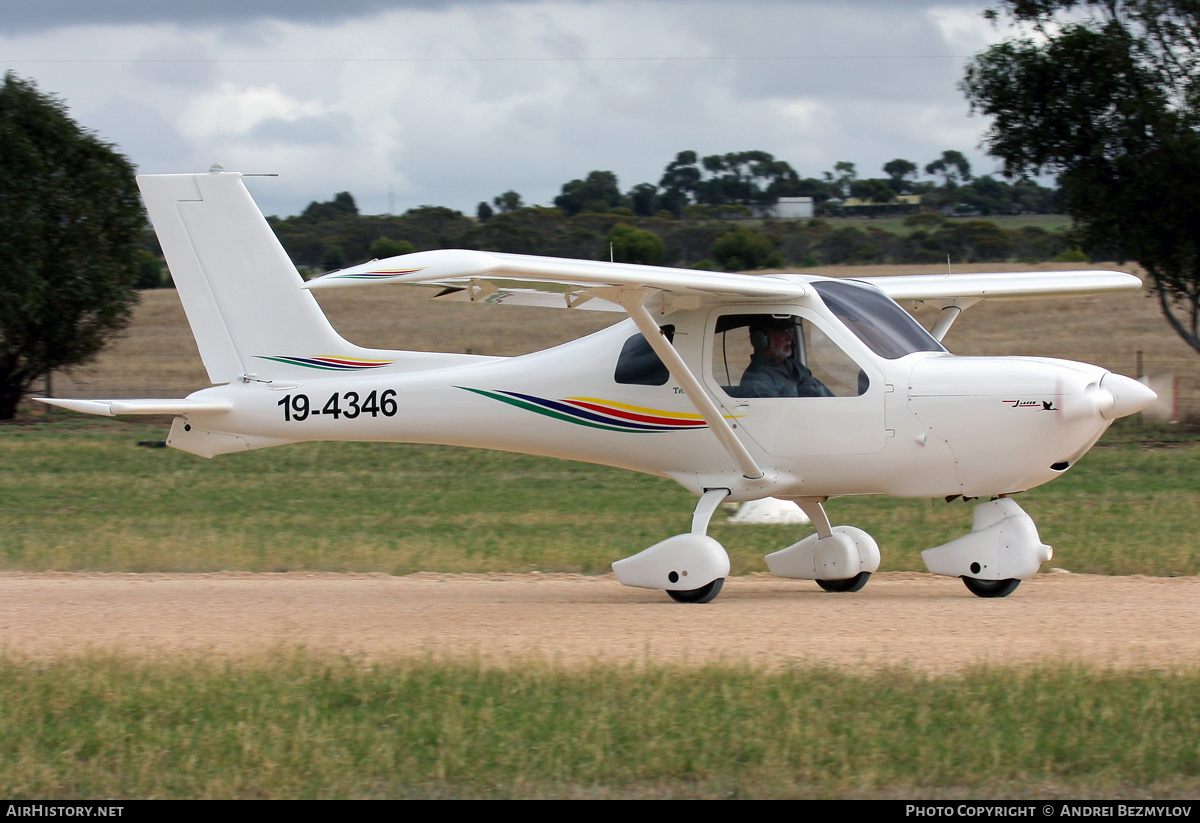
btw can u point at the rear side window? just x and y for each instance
(638, 365)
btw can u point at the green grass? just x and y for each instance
(85, 497)
(302, 726)
(81, 496)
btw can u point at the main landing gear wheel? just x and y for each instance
(704, 594)
(991, 588)
(852, 585)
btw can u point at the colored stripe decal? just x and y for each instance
(598, 414)
(329, 363)
(615, 405)
(538, 409)
(642, 418)
(375, 275)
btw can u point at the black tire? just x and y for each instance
(852, 585)
(991, 588)
(704, 594)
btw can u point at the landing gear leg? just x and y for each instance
(839, 558)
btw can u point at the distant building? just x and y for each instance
(787, 208)
(855, 207)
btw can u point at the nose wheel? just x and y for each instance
(991, 588)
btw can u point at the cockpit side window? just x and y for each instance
(772, 355)
(638, 365)
(876, 319)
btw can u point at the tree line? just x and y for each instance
(691, 218)
(328, 240)
(731, 185)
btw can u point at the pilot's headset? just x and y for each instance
(759, 331)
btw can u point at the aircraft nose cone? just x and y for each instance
(1128, 395)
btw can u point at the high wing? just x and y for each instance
(946, 289)
(953, 293)
(518, 279)
(493, 277)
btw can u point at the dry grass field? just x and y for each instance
(156, 357)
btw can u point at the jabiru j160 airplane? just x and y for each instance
(738, 387)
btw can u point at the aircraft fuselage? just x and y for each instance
(924, 424)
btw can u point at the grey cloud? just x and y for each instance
(20, 16)
(327, 130)
(26, 16)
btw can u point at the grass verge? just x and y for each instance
(295, 725)
(81, 496)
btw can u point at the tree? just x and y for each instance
(334, 257)
(1110, 101)
(679, 182)
(509, 201)
(746, 178)
(70, 226)
(598, 193)
(745, 249)
(341, 205)
(899, 172)
(644, 200)
(873, 190)
(385, 247)
(841, 177)
(150, 273)
(952, 166)
(633, 245)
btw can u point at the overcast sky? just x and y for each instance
(408, 102)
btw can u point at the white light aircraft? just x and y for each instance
(738, 387)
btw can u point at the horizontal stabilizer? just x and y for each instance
(111, 408)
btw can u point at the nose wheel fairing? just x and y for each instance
(1003, 545)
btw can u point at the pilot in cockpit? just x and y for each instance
(775, 369)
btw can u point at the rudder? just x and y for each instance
(240, 291)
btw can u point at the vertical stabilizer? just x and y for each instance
(241, 293)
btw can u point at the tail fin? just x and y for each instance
(241, 293)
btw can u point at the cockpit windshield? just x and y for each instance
(876, 319)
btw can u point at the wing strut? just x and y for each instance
(634, 302)
(944, 321)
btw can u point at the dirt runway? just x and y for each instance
(918, 620)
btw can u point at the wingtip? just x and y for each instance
(100, 407)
